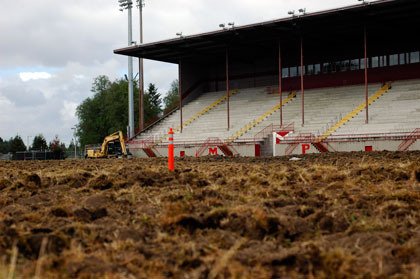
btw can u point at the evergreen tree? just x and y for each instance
(171, 100)
(152, 104)
(71, 146)
(16, 144)
(39, 143)
(4, 146)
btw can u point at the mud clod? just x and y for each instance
(100, 183)
(33, 180)
(59, 212)
(418, 176)
(4, 183)
(99, 213)
(31, 245)
(82, 215)
(190, 223)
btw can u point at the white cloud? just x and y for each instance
(68, 111)
(27, 76)
(79, 76)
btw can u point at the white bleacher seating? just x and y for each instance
(398, 110)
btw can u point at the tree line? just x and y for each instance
(107, 110)
(39, 143)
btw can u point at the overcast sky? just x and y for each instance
(50, 51)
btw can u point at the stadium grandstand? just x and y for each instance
(346, 79)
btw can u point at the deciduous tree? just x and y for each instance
(57, 147)
(105, 112)
(171, 100)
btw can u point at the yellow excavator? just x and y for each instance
(113, 146)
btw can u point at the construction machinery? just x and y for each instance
(113, 146)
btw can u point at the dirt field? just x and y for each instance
(326, 216)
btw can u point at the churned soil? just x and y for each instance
(324, 216)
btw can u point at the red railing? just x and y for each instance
(146, 145)
(228, 150)
(323, 146)
(261, 135)
(293, 143)
(141, 144)
(410, 140)
(353, 137)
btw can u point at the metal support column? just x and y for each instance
(280, 87)
(180, 92)
(366, 78)
(227, 89)
(130, 80)
(302, 89)
(141, 73)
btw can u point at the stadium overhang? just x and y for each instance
(326, 33)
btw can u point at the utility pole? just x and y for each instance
(140, 4)
(75, 142)
(27, 141)
(127, 5)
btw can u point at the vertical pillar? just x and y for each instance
(180, 92)
(141, 73)
(141, 96)
(130, 80)
(227, 89)
(302, 89)
(280, 87)
(366, 77)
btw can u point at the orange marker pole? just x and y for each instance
(171, 159)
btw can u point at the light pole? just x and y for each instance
(127, 5)
(27, 141)
(140, 5)
(75, 142)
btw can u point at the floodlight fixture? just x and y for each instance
(223, 26)
(140, 3)
(302, 11)
(125, 4)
